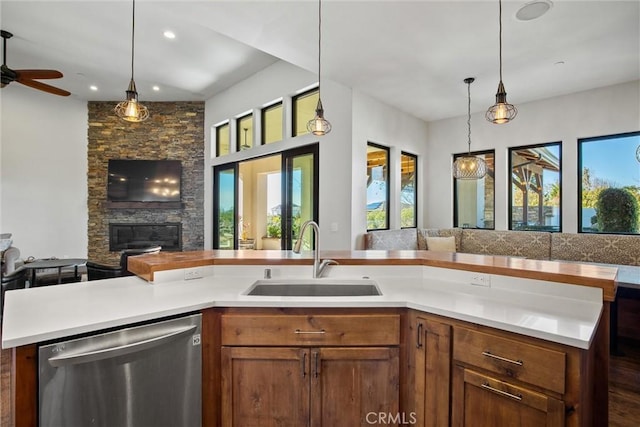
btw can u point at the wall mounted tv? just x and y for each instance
(144, 180)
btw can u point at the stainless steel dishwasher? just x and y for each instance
(142, 376)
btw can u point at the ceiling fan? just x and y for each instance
(26, 77)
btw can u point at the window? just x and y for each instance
(609, 184)
(535, 187)
(408, 190)
(223, 143)
(304, 109)
(377, 187)
(272, 123)
(474, 200)
(244, 132)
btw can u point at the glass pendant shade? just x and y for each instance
(638, 153)
(130, 109)
(469, 167)
(501, 111)
(318, 125)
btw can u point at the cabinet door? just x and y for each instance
(266, 387)
(354, 386)
(432, 372)
(479, 400)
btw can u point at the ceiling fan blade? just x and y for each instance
(39, 74)
(44, 87)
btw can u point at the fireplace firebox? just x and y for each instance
(137, 236)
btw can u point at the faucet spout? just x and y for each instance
(318, 266)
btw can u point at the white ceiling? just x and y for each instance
(413, 55)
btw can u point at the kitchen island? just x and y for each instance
(471, 300)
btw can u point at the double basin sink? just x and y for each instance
(314, 288)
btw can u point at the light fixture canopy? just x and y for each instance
(319, 125)
(501, 112)
(469, 166)
(130, 109)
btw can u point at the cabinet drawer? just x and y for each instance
(301, 330)
(525, 362)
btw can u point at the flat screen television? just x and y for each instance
(144, 180)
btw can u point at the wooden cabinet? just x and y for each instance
(430, 350)
(312, 370)
(499, 380)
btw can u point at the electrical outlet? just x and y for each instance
(481, 280)
(192, 273)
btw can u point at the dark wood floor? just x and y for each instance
(624, 385)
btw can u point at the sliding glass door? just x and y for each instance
(267, 199)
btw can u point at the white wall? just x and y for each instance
(356, 119)
(374, 121)
(283, 80)
(603, 111)
(43, 171)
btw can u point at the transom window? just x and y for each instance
(223, 142)
(304, 109)
(244, 132)
(272, 123)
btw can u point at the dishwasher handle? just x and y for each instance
(111, 352)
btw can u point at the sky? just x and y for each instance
(613, 159)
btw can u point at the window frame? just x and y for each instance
(579, 143)
(239, 131)
(455, 189)
(263, 122)
(388, 186)
(414, 157)
(510, 184)
(217, 132)
(294, 110)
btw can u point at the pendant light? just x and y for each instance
(468, 166)
(130, 109)
(501, 111)
(319, 125)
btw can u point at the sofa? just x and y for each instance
(622, 251)
(613, 249)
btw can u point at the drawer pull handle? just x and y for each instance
(503, 359)
(419, 337)
(320, 332)
(502, 393)
(304, 365)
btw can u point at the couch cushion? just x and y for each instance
(441, 244)
(405, 238)
(439, 232)
(601, 248)
(527, 244)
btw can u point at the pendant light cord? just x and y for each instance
(500, 34)
(319, 42)
(133, 32)
(469, 116)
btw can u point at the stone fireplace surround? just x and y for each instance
(174, 130)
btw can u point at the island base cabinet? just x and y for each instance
(315, 387)
(479, 400)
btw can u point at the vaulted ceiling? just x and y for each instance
(412, 55)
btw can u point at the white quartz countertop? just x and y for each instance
(566, 314)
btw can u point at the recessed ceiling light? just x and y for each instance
(533, 10)
(93, 88)
(156, 88)
(169, 34)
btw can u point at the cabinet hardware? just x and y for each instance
(316, 366)
(304, 365)
(502, 393)
(321, 331)
(503, 359)
(419, 338)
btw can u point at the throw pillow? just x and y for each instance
(441, 244)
